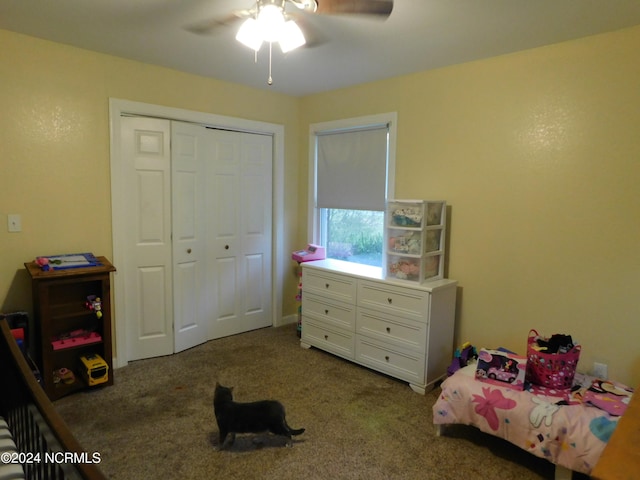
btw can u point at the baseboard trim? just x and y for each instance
(288, 320)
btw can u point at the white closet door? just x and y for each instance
(199, 234)
(147, 267)
(188, 160)
(240, 231)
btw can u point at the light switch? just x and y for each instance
(14, 222)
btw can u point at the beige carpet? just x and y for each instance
(157, 420)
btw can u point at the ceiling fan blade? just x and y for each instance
(312, 34)
(367, 7)
(209, 26)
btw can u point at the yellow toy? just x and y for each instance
(94, 369)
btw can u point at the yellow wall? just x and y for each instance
(538, 155)
(54, 147)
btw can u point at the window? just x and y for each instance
(351, 175)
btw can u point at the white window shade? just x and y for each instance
(352, 169)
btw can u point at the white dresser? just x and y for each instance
(403, 329)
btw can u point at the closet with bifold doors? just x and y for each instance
(198, 233)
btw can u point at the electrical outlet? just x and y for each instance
(14, 222)
(600, 370)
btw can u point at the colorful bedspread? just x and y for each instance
(572, 435)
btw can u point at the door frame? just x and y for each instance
(119, 107)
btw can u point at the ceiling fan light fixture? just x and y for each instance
(291, 36)
(271, 21)
(250, 34)
(270, 24)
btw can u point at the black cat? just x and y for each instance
(255, 417)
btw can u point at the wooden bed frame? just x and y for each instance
(36, 428)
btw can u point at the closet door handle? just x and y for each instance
(188, 250)
(226, 247)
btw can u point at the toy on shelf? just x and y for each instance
(94, 369)
(62, 262)
(312, 252)
(94, 304)
(75, 339)
(63, 375)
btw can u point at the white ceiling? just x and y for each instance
(419, 35)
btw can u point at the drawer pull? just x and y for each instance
(390, 300)
(326, 337)
(386, 358)
(326, 285)
(326, 312)
(388, 329)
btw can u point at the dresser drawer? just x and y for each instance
(329, 311)
(406, 365)
(329, 285)
(396, 300)
(335, 340)
(391, 329)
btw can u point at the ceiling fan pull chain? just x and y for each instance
(270, 81)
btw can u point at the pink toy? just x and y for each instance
(42, 261)
(75, 339)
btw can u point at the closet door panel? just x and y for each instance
(240, 233)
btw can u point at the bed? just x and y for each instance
(550, 424)
(31, 431)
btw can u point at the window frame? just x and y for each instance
(389, 119)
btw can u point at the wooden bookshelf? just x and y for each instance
(59, 304)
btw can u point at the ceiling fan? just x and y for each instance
(279, 21)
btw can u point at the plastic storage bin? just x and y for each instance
(415, 239)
